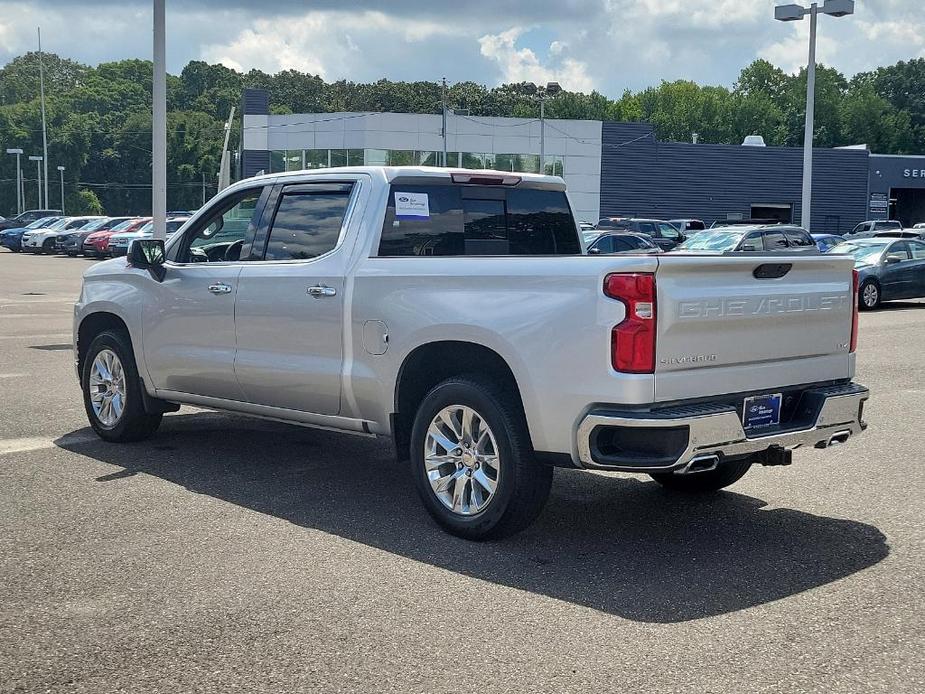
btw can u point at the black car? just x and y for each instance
(666, 236)
(776, 237)
(622, 242)
(27, 218)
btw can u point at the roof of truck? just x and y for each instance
(423, 172)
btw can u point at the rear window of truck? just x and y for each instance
(453, 220)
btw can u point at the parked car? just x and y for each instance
(744, 222)
(896, 234)
(12, 238)
(622, 242)
(119, 242)
(887, 268)
(26, 218)
(873, 225)
(920, 225)
(365, 302)
(666, 236)
(96, 245)
(688, 226)
(71, 242)
(44, 240)
(776, 237)
(826, 241)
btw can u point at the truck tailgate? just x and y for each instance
(724, 329)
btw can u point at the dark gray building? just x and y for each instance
(897, 188)
(643, 177)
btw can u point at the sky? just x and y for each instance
(605, 45)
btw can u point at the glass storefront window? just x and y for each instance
(316, 158)
(354, 157)
(338, 157)
(472, 160)
(377, 157)
(429, 158)
(277, 160)
(401, 157)
(293, 160)
(553, 166)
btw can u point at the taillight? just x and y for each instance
(854, 311)
(633, 340)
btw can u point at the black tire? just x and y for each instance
(869, 289)
(48, 246)
(135, 424)
(704, 482)
(522, 483)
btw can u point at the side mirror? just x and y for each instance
(594, 251)
(893, 258)
(148, 254)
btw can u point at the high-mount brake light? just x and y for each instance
(633, 339)
(485, 179)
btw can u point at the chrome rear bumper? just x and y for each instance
(687, 433)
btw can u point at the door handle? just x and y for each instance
(320, 290)
(220, 288)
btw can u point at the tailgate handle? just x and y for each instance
(771, 271)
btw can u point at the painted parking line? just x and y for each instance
(37, 443)
(55, 336)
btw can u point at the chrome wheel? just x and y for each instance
(107, 388)
(870, 295)
(461, 460)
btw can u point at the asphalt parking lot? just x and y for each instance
(230, 554)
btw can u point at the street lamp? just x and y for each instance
(38, 177)
(551, 89)
(791, 13)
(18, 153)
(61, 172)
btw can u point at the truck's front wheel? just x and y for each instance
(471, 461)
(701, 482)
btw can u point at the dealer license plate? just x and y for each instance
(761, 411)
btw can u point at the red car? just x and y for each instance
(97, 243)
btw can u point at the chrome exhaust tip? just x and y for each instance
(700, 463)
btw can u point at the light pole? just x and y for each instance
(61, 173)
(38, 177)
(44, 129)
(551, 89)
(18, 153)
(159, 126)
(791, 13)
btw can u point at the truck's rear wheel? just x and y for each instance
(701, 482)
(472, 463)
(112, 390)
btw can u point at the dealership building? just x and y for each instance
(611, 169)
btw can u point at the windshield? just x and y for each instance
(147, 228)
(39, 223)
(712, 241)
(94, 225)
(863, 253)
(60, 224)
(123, 226)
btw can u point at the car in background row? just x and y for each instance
(43, 240)
(745, 222)
(872, 225)
(825, 242)
(96, 245)
(622, 242)
(688, 226)
(26, 218)
(119, 242)
(920, 225)
(773, 237)
(666, 236)
(12, 238)
(71, 242)
(888, 268)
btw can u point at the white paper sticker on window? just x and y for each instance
(412, 206)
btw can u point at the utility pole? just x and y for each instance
(61, 171)
(44, 130)
(159, 126)
(443, 105)
(224, 169)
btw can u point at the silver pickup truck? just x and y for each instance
(456, 312)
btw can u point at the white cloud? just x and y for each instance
(523, 65)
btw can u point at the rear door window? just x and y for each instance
(647, 228)
(667, 231)
(449, 220)
(774, 241)
(798, 238)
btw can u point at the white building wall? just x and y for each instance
(578, 142)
